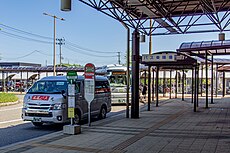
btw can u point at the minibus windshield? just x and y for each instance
(51, 87)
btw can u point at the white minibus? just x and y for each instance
(46, 100)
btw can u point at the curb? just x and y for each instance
(9, 103)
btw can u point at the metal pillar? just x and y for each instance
(223, 88)
(149, 87)
(153, 87)
(192, 85)
(201, 83)
(183, 85)
(206, 78)
(198, 82)
(21, 83)
(149, 68)
(7, 80)
(27, 80)
(3, 82)
(157, 83)
(164, 84)
(128, 73)
(135, 74)
(170, 82)
(196, 89)
(176, 84)
(3, 86)
(216, 80)
(212, 82)
(145, 80)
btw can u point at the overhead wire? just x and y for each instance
(35, 51)
(86, 49)
(68, 45)
(44, 37)
(79, 51)
(44, 53)
(23, 55)
(24, 32)
(22, 37)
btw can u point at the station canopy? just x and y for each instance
(214, 47)
(39, 69)
(168, 16)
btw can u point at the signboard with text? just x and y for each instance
(71, 77)
(159, 57)
(89, 82)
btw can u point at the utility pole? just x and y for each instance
(60, 43)
(119, 57)
(54, 42)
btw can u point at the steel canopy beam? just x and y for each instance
(169, 17)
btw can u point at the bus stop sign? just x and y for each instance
(89, 82)
(71, 77)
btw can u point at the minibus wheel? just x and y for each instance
(37, 123)
(102, 114)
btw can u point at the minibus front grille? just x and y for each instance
(43, 108)
(39, 106)
(39, 115)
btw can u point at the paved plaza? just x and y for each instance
(172, 127)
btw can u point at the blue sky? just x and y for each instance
(83, 26)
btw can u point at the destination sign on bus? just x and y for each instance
(118, 73)
(36, 97)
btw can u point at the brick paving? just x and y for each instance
(172, 127)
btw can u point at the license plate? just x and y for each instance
(36, 119)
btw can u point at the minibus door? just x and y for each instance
(80, 100)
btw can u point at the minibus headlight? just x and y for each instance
(57, 106)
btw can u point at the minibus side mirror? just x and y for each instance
(63, 94)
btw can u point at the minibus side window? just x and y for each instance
(60, 85)
(106, 86)
(102, 87)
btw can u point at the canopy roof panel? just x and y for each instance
(214, 47)
(169, 16)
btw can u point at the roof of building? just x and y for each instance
(11, 64)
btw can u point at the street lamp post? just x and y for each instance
(54, 41)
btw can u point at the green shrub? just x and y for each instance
(7, 97)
